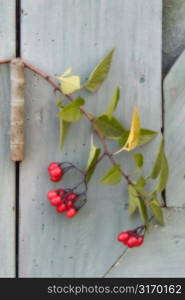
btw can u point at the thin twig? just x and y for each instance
(72, 166)
(42, 74)
(51, 81)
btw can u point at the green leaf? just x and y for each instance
(113, 176)
(79, 102)
(141, 182)
(122, 140)
(138, 158)
(71, 112)
(59, 103)
(132, 200)
(160, 168)
(64, 127)
(146, 136)
(156, 210)
(109, 128)
(163, 174)
(142, 210)
(93, 157)
(157, 165)
(113, 104)
(100, 73)
(137, 202)
(140, 186)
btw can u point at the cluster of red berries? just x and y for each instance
(131, 238)
(63, 200)
(55, 172)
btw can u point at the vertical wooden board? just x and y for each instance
(173, 31)
(162, 254)
(7, 186)
(61, 34)
(174, 96)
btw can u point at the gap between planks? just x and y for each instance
(17, 164)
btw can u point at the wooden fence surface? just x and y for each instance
(7, 168)
(56, 35)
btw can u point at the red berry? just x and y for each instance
(140, 241)
(56, 201)
(123, 237)
(132, 242)
(71, 212)
(125, 243)
(59, 190)
(51, 194)
(69, 204)
(71, 196)
(61, 208)
(52, 166)
(56, 178)
(131, 233)
(62, 193)
(56, 172)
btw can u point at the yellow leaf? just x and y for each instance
(133, 138)
(69, 84)
(67, 72)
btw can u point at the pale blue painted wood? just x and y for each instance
(173, 31)
(174, 96)
(162, 254)
(7, 187)
(61, 34)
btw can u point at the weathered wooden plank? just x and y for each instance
(162, 254)
(174, 95)
(173, 31)
(78, 34)
(7, 187)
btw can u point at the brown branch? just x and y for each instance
(42, 74)
(5, 61)
(51, 81)
(88, 115)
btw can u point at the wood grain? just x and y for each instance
(174, 95)
(7, 182)
(173, 32)
(17, 110)
(61, 34)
